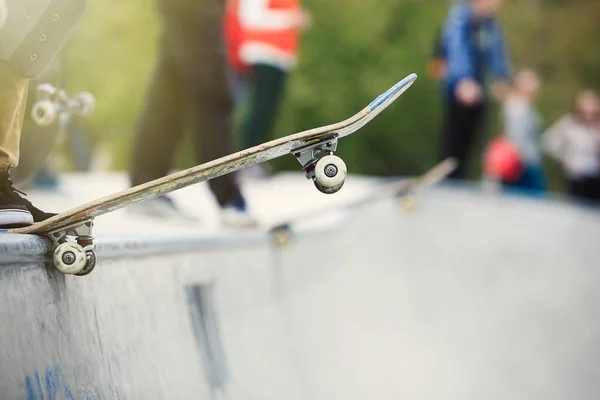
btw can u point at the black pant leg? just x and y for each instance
(461, 125)
(160, 126)
(198, 53)
(266, 90)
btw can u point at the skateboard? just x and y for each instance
(52, 103)
(39, 138)
(71, 231)
(281, 231)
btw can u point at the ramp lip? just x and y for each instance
(21, 248)
(17, 249)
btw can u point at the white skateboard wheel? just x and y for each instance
(43, 112)
(90, 263)
(86, 104)
(70, 258)
(330, 174)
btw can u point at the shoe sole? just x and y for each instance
(15, 218)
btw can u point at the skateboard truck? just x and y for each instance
(74, 258)
(328, 172)
(52, 101)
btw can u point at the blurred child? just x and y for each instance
(522, 126)
(574, 140)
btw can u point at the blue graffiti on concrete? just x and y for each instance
(55, 386)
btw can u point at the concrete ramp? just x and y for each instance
(467, 297)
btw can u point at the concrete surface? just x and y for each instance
(468, 297)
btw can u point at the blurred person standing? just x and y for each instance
(189, 83)
(574, 140)
(522, 126)
(262, 39)
(473, 47)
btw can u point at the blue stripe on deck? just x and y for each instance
(391, 91)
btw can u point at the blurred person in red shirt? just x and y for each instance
(262, 40)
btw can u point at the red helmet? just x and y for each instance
(502, 161)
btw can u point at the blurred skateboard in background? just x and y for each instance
(281, 230)
(50, 114)
(53, 103)
(71, 231)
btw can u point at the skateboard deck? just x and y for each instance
(313, 148)
(281, 229)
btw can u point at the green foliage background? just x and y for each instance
(355, 50)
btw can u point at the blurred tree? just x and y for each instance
(355, 50)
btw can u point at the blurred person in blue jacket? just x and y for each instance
(473, 48)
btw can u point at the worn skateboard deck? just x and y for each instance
(281, 229)
(224, 165)
(313, 148)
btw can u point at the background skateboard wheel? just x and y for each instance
(281, 236)
(43, 112)
(69, 258)
(45, 91)
(86, 104)
(90, 263)
(408, 203)
(330, 174)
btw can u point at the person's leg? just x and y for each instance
(576, 188)
(36, 142)
(531, 181)
(459, 130)
(238, 86)
(197, 52)
(13, 101)
(161, 125)
(590, 189)
(14, 210)
(266, 90)
(159, 133)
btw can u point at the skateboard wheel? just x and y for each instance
(45, 91)
(408, 203)
(330, 174)
(86, 104)
(43, 112)
(328, 190)
(69, 258)
(90, 264)
(282, 236)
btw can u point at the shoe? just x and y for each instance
(16, 211)
(161, 207)
(235, 215)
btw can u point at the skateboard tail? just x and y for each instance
(396, 90)
(379, 104)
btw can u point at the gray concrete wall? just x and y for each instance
(468, 297)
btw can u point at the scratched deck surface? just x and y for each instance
(221, 166)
